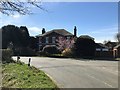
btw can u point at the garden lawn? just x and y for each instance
(21, 76)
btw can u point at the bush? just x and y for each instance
(27, 52)
(6, 55)
(84, 47)
(50, 49)
(40, 53)
(67, 53)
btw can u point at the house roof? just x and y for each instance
(112, 43)
(38, 35)
(86, 36)
(117, 46)
(100, 45)
(59, 31)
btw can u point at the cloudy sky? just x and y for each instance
(97, 19)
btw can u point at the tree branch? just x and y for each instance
(7, 7)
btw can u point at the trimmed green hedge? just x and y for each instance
(6, 55)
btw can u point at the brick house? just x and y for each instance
(116, 51)
(111, 45)
(103, 51)
(51, 37)
(101, 47)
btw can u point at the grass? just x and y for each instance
(21, 76)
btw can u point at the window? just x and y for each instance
(47, 38)
(68, 38)
(40, 40)
(40, 47)
(98, 49)
(105, 49)
(53, 39)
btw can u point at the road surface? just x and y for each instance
(71, 73)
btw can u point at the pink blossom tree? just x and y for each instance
(64, 43)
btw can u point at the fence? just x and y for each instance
(104, 54)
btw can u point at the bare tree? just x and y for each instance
(118, 37)
(9, 7)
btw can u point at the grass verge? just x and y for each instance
(117, 58)
(19, 75)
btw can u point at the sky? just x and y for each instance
(96, 19)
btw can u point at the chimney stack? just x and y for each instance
(75, 31)
(43, 31)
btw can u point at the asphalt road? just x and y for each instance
(69, 73)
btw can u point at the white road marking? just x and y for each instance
(100, 80)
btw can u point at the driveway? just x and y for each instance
(71, 73)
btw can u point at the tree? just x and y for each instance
(10, 33)
(18, 36)
(18, 39)
(33, 43)
(9, 7)
(84, 47)
(64, 43)
(118, 37)
(106, 41)
(25, 36)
